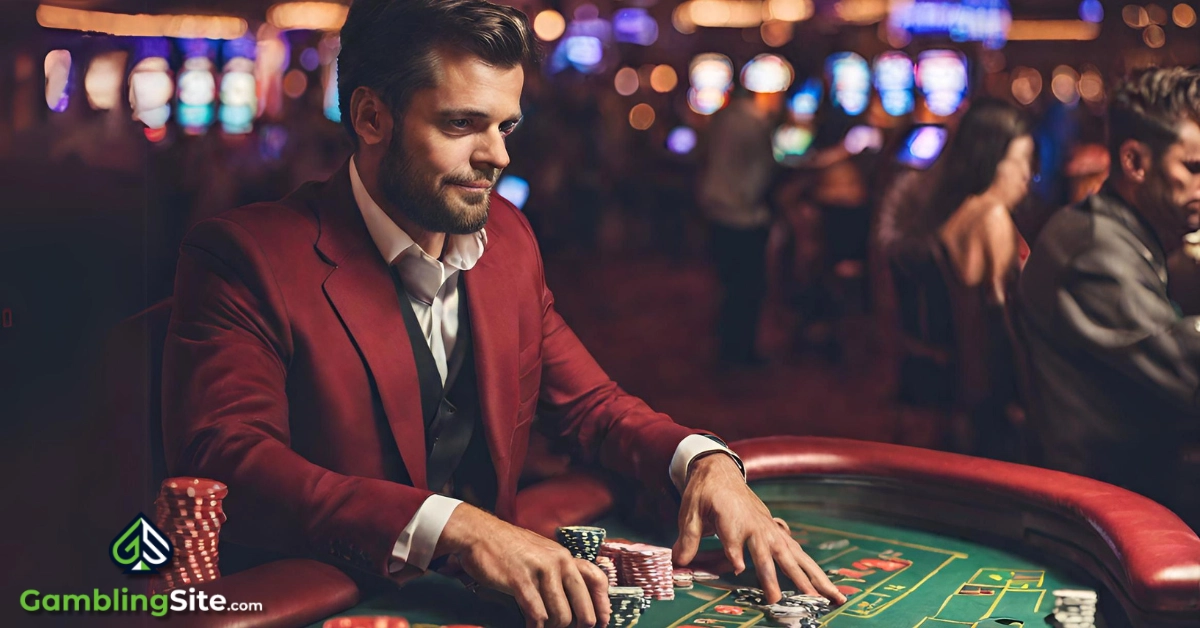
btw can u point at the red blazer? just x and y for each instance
(288, 374)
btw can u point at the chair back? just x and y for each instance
(926, 325)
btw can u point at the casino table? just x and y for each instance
(916, 538)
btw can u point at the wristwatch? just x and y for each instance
(736, 459)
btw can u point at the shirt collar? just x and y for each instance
(461, 251)
(1109, 203)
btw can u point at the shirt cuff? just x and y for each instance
(687, 451)
(420, 537)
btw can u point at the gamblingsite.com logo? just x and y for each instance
(140, 549)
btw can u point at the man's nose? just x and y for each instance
(491, 153)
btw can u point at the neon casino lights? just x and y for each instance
(850, 82)
(239, 98)
(767, 74)
(150, 84)
(942, 77)
(711, 77)
(894, 79)
(805, 102)
(197, 87)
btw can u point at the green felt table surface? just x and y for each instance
(910, 578)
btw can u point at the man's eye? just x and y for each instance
(507, 128)
(460, 124)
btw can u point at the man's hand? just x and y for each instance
(549, 584)
(717, 500)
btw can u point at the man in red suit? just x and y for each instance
(361, 361)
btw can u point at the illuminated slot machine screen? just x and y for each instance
(197, 89)
(807, 100)
(863, 139)
(849, 81)
(239, 97)
(791, 142)
(923, 146)
(943, 79)
(894, 80)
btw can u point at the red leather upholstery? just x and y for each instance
(574, 498)
(1139, 549)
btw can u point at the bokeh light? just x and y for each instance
(790, 142)
(103, 81)
(1091, 86)
(1156, 14)
(58, 74)
(514, 189)
(295, 82)
(1064, 84)
(641, 117)
(776, 33)
(789, 10)
(942, 77)
(1026, 85)
(805, 102)
(626, 81)
(863, 138)
(663, 79)
(894, 80)
(1135, 16)
(1154, 36)
(767, 74)
(549, 25)
(706, 100)
(1183, 15)
(150, 91)
(711, 71)
(681, 140)
(310, 59)
(1091, 11)
(850, 82)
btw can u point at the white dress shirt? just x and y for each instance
(432, 287)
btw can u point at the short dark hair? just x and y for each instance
(391, 46)
(1149, 106)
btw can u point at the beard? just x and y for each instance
(1161, 210)
(424, 199)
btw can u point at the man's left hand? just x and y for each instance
(717, 500)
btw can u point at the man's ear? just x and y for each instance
(372, 118)
(1134, 157)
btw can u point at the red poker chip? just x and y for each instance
(729, 610)
(193, 487)
(366, 621)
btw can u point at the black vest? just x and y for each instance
(456, 451)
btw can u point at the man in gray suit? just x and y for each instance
(1115, 366)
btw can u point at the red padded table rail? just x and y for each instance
(1140, 549)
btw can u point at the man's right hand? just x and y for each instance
(553, 588)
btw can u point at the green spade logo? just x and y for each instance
(142, 547)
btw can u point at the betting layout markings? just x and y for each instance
(707, 615)
(995, 584)
(881, 601)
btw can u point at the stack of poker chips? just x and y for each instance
(610, 570)
(627, 606)
(792, 610)
(1074, 609)
(648, 567)
(189, 512)
(612, 551)
(366, 621)
(683, 578)
(582, 541)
